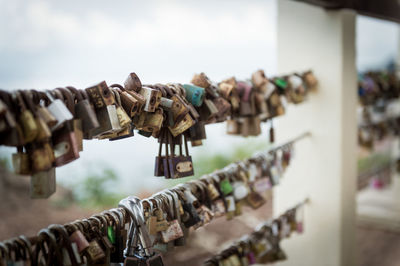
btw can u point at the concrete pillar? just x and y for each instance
(324, 168)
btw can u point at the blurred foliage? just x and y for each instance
(373, 161)
(93, 192)
(207, 163)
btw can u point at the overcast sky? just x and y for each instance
(45, 44)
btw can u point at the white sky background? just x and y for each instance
(45, 44)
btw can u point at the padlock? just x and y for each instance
(152, 97)
(84, 111)
(133, 83)
(247, 103)
(150, 122)
(76, 236)
(43, 184)
(126, 133)
(182, 126)
(131, 101)
(197, 133)
(260, 81)
(254, 126)
(58, 109)
(139, 235)
(190, 217)
(194, 94)
(39, 98)
(76, 123)
(181, 165)
(100, 95)
(40, 159)
(224, 108)
(108, 120)
(227, 87)
(124, 119)
(21, 162)
(26, 119)
(12, 134)
(201, 80)
(65, 142)
(70, 253)
(208, 110)
(44, 132)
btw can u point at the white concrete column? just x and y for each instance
(324, 167)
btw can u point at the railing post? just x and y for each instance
(325, 165)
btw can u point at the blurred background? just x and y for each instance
(46, 44)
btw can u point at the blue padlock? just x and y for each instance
(194, 94)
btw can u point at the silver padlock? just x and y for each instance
(43, 184)
(152, 97)
(166, 103)
(58, 109)
(139, 247)
(108, 120)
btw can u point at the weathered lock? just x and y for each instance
(70, 253)
(100, 95)
(152, 97)
(173, 230)
(244, 126)
(224, 108)
(41, 110)
(116, 234)
(76, 123)
(180, 92)
(247, 103)
(26, 119)
(166, 103)
(255, 200)
(197, 133)
(179, 109)
(154, 120)
(43, 184)
(84, 111)
(43, 131)
(260, 81)
(21, 162)
(194, 94)
(261, 106)
(208, 110)
(226, 88)
(58, 109)
(159, 160)
(13, 134)
(182, 126)
(201, 80)
(130, 101)
(254, 126)
(65, 145)
(181, 165)
(40, 159)
(191, 217)
(126, 133)
(108, 119)
(123, 117)
(133, 82)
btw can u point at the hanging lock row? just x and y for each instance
(48, 127)
(262, 246)
(139, 231)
